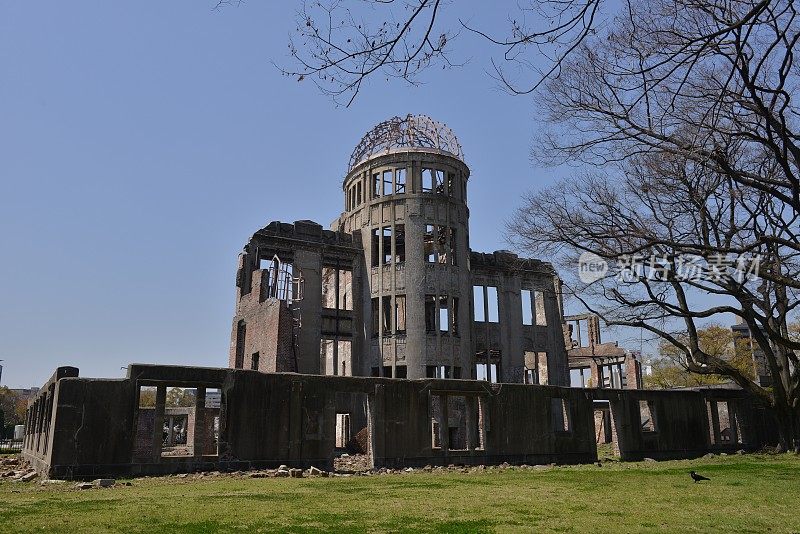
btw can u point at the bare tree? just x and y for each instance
(693, 103)
(340, 44)
(685, 225)
(688, 107)
(623, 80)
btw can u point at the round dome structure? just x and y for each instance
(413, 131)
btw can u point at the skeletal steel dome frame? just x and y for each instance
(413, 131)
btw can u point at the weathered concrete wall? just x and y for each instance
(269, 419)
(682, 425)
(92, 426)
(509, 336)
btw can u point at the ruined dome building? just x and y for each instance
(327, 320)
(393, 288)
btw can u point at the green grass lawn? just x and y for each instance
(752, 493)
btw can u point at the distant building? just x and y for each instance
(593, 363)
(741, 333)
(213, 396)
(25, 394)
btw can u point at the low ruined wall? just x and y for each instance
(266, 420)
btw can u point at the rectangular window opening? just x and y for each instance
(491, 298)
(345, 290)
(400, 181)
(725, 426)
(427, 180)
(646, 419)
(579, 377)
(444, 315)
(530, 376)
(478, 301)
(376, 246)
(400, 313)
(329, 275)
(441, 245)
(487, 372)
(254, 361)
(386, 307)
(531, 368)
(399, 243)
(344, 358)
(437, 371)
(342, 430)
(281, 282)
(351, 426)
(436, 415)
(527, 307)
(147, 397)
(327, 355)
(376, 185)
(440, 183)
(559, 412)
(388, 183)
(457, 427)
(208, 429)
(430, 246)
(430, 314)
(583, 333)
(376, 318)
(177, 436)
(387, 245)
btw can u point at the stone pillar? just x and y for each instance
(633, 372)
(596, 373)
(557, 365)
(444, 426)
(310, 265)
(200, 430)
(158, 422)
(415, 284)
(470, 420)
(377, 426)
(512, 352)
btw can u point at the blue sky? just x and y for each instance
(142, 143)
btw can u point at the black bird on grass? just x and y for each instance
(697, 478)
